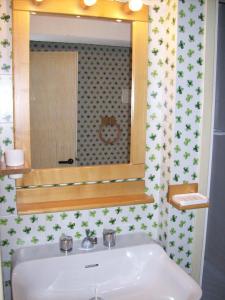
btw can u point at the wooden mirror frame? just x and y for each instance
(58, 197)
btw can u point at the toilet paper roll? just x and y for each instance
(14, 157)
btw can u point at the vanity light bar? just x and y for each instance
(134, 5)
(89, 2)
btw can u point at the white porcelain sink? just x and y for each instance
(136, 269)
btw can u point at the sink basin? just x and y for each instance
(136, 269)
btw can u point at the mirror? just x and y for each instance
(62, 188)
(80, 91)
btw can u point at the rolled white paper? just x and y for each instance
(14, 157)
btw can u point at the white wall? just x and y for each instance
(80, 30)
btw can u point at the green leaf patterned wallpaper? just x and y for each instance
(176, 33)
(186, 124)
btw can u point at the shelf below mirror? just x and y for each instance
(81, 204)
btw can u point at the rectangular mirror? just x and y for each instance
(100, 84)
(80, 91)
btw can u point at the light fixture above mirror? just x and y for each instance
(89, 2)
(37, 2)
(133, 5)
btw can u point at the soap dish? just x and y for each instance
(189, 201)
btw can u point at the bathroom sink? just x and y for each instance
(136, 269)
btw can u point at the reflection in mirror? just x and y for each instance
(80, 91)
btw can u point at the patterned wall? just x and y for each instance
(175, 46)
(103, 73)
(187, 119)
(162, 59)
(175, 98)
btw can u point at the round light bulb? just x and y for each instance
(135, 5)
(89, 2)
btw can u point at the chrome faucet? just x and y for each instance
(109, 238)
(66, 243)
(88, 242)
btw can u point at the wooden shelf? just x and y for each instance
(186, 188)
(4, 170)
(188, 207)
(80, 204)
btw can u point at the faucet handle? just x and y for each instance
(65, 243)
(109, 237)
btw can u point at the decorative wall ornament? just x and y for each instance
(107, 122)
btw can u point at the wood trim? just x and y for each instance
(188, 207)
(82, 191)
(4, 170)
(82, 196)
(21, 52)
(80, 174)
(186, 188)
(139, 91)
(22, 125)
(80, 204)
(102, 9)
